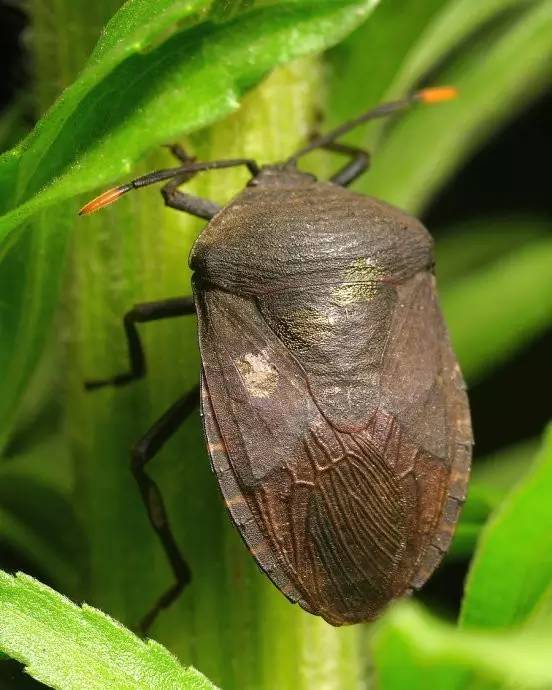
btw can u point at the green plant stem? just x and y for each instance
(231, 623)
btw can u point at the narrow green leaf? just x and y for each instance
(496, 310)
(406, 41)
(9, 166)
(189, 81)
(496, 78)
(505, 583)
(68, 647)
(541, 615)
(37, 512)
(500, 471)
(39, 521)
(480, 502)
(398, 664)
(132, 30)
(372, 56)
(478, 242)
(30, 278)
(138, 26)
(492, 476)
(12, 124)
(464, 541)
(453, 24)
(413, 649)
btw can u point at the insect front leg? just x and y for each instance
(174, 198)
(180, 153)
(146, 448)
(202, 208)
(142, 313)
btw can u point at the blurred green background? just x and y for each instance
(257, 78)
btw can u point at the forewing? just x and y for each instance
(330, 516)
(423, 390)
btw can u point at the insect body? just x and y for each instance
(335, 413)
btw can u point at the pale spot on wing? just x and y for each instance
(258, 374)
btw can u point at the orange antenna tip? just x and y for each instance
(437, 94)
(106, 198)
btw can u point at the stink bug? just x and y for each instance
(335, 412)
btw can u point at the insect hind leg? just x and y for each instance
(146, 449)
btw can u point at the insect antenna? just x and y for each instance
(430, 95)
(111, 195)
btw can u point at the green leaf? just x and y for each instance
(31, 273)
(492, 476)
(506, 581)
(41, 522)
(448, 29)
(500, 471)
(98, 130)
(480, 502)
(541, 615)
(476, 243)
(68, 647)
(406, 41)
(494, 311)
(12, 124)
(37, 513)
(499, 75)
(372, 56)
(137, 27)
(414, 650)
(132, 30)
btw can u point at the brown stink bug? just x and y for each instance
(335, 412)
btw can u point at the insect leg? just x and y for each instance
(359, 163)
(174, 198)
(146, 448)
(180, 154)
(142, 313)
